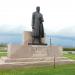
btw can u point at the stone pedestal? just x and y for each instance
(27, 37)
(32, 53)
(28, 51)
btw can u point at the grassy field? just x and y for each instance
(3, 51)
(3, 54)
(45, 70)
(70, 56)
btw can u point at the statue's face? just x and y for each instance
(38, 9)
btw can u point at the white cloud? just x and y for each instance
(58, 14)
(67, 31)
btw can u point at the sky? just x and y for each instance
(16, 15)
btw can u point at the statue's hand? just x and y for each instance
(32, 27)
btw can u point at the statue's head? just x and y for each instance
(38, 9)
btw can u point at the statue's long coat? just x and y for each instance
(37, 25)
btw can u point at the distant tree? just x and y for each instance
(3, 44)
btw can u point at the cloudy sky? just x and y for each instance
(15, 15)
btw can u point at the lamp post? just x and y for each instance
(54, 64)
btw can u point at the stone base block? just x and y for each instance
(9, 60)
(22, 51)
(26, 62)
(27, 38)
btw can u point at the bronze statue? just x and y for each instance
(37, 26)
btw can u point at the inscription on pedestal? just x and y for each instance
(39, 51)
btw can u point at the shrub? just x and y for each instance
(69, 49)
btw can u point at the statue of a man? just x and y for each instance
(37, 26)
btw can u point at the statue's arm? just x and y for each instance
(42, 18)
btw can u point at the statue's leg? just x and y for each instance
(34, 40)
(39, 40)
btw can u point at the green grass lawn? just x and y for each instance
(71, 56)
(3, 54)
(45, 70)
(3, 50)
